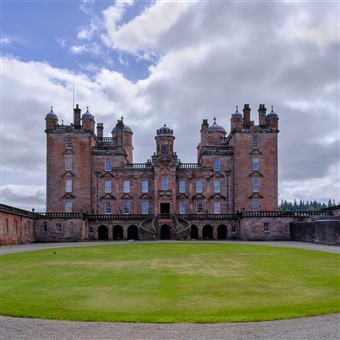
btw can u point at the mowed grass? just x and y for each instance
(170, 282)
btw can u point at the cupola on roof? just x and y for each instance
(126, 127)
(216, 127)
(164, 130)
(87, 114)
(51, 115)
(236, 114)
(272, 115)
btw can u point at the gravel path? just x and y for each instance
(321, 327)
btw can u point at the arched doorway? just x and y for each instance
(222, 232)
(194, 232)
(207, 232)
(103, 233)
(117, 232)
(165, 232)
(132, 233)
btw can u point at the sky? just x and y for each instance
(175, 63)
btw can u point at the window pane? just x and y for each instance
(182, 186)
(69, 143)
(256, 164)
(145, 207)
(108, 165)
(216, 165)
(145, 186)
(217, 207)
(126, 207)
(68, 163)
(107, 186)
(126, 188)
(108, 208)
(199, 207)
(256, 185)
(68, 206)
(199, 186)
(68, 185)
(256, 206)
(164, 183)
(182, 208)
(255, 142)
(217, 186)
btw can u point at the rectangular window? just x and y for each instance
(108, 208)
(15, 227)
(266, 227)
(58, 228)
(233, 229)
(69, 142)
(145, 186)
(126, 207)
(217, 186)
(217, 207)
(126, 188)
(108, 165)
(216, 165)
(256, 205)
(182, 186)
(90, 230)
(6, 226)
(165, 183)
(199, 207)
(256, 142)
(182, 207)
(68, 163)
(107, 186)
(68, 206)
(145, 207)
(68, 185)
(199, 186)
(256, 185)
(255, 164)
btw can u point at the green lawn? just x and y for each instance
(170, 282)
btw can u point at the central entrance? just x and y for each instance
(165, 208)
(165, 232)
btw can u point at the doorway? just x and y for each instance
(165, 208)
(165, 232)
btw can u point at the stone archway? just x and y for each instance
(117, 232)
(207, 232)
(103, 233)
(165, 232)
(132, 233)
(222, 232)
(194, 232)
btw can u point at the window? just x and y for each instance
(28, 230)
(256, 185)
(256, 205)
(91, 230)
(256, 142)
(45, 227)
(107, 186)
(217, 207)
(182, 208)
(69, 142)
(126, 207)
(126, 188)
(15, 231)
(145, 207)
(182, 186)
(68, 206)
(199, 186)
(68, 163)
(199, 207)
(217, 186)
(266, 227)
(108, 208)
(255, 164)
(108, 165)
(145, 186)
(6, 225)
(216, 165)
(68, 185)
(165, 183)
(58, 228)
(233, 228)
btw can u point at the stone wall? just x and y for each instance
(324, 232)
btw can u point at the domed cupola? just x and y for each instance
(272, 114)
(87, 115)
(237, 114)
(126, 129)
(51, 115)
(165, 131)
(215, 127)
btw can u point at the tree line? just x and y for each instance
(304, 206)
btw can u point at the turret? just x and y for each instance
(165, 141)
(273, 120)
(262, 116)
(236, 121)
(215, 133)
(76, 117)
(51, 120)
(88, 121)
